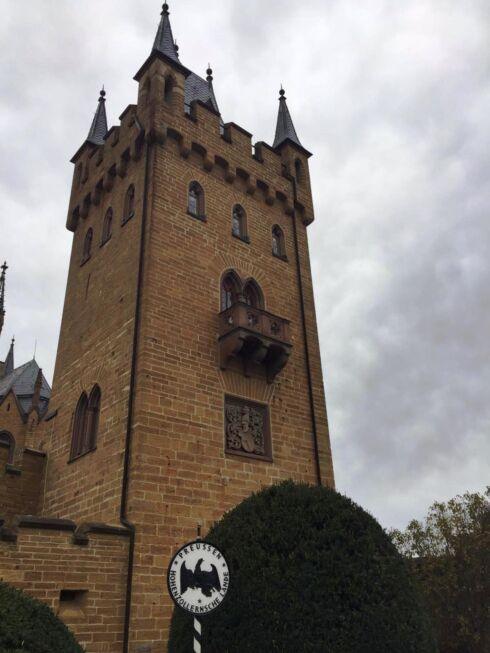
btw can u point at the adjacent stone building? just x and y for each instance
(188, 370)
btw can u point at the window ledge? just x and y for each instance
(82, 455)
(104, 242)
(85, 260)
(244, 239)
(201, 218)
(282, 257)
(127, 218)
(251, 457)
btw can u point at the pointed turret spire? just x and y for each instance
(98, 130)
(285, 128)
(212, 96)
(8, 367)
(4, 269)
(164, 40)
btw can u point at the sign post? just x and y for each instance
(198, 580)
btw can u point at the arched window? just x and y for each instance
(129, 204)
(7, 440)
(86, 423)
(299, 171)
(87, 245)
(107, 227)
(230, 290)
(239, 222)
(169, 89)
(93, 417)
(79, 427)
(252, 294)
(278, 245)
(195, 200)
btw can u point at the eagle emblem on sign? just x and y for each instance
(207, 581)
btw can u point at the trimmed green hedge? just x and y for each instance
(310, 572)
(28, 626)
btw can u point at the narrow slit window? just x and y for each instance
(195, 200)
(107, 228)
(129, 204)
(87, 245)
(239, 222)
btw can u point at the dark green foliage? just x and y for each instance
(28, 626)
(449, 554)
(310, 571)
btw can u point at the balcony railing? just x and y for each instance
(256, 337)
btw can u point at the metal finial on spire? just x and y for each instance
(165, 11)
(209, 73)
(282, 93)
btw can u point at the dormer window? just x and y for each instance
(195, 201)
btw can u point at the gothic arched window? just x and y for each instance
(93, 418)
(230, 290)
(7, 440)
(86, 423)
(129, 204)
(79, 427)
(195, 200)
(107, 226)
(278, 245)
(239, 222)
(87, 245)
(252, 294)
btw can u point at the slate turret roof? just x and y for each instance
(22, 382)
(196, 88)
(285, 128)
(98, 129)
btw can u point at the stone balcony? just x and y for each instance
(256, 338)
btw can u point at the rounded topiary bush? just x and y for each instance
(28, 626)
(310, 571)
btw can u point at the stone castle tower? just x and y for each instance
(188, 370)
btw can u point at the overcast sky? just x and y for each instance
(393, 98)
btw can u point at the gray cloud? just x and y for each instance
(394, 99)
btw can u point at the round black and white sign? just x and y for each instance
(198, 578)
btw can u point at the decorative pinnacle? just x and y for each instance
(165, 11)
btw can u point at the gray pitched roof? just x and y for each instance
(164, 40)
(22, 382)
(285, 128)
(98, 129)
(197, 88)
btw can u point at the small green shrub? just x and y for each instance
(28, 626)
(310, 571)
